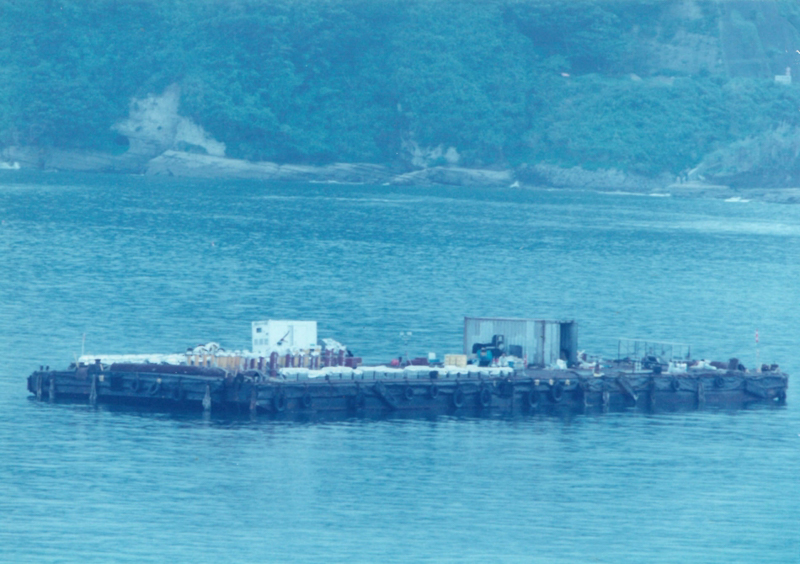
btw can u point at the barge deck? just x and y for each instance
(329, 380)
(514, 391)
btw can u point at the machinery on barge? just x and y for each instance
(507, 366)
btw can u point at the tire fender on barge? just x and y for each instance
(428, 389)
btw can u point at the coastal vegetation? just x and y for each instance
(648, 86)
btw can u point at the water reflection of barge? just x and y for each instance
(507, 366)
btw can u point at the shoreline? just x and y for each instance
(181, 164)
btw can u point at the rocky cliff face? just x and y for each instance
(155, 125)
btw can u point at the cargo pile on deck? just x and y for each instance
(506, 366)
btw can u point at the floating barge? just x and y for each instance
(507, 366)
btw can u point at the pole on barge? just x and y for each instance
(254, 399)
(93, 391)
(207, 399)
(758, 355)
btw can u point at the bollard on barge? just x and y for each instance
(507, 366)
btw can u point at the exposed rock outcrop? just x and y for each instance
(456, 176)
(421, 157)
(577, 177)
(154, 125)
(178, 163)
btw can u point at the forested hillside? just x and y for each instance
(645, 86)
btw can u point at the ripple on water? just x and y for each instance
(129, 263)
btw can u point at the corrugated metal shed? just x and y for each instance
(542, 342)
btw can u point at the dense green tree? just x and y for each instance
(314, 81)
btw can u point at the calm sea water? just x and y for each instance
(141, 265)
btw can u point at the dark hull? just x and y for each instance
(526, 391)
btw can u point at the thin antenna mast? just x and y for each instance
(758, 355)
